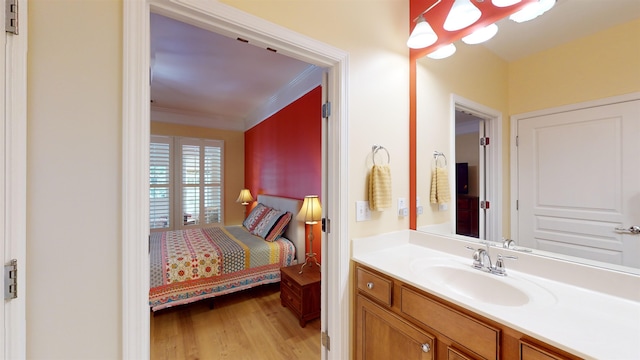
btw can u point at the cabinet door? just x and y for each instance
(381, 335)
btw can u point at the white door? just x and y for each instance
(579, 180)
(13, 184)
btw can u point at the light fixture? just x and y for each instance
(310, 213)
(422, 35)
(463, 13)
(504, 3)
(532, 10)
(481, 35)
(245, 197)
(443, 52)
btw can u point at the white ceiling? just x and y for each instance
(205, 75)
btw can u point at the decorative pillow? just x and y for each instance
(266, 223)
(278, 229)
(255, 216)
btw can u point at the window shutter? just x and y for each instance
(213, 184)
(159, 183)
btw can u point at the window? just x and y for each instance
(188, 193)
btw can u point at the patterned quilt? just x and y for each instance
(194, 264)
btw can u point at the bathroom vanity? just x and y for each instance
(417, 296)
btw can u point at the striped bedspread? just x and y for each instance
(194, 264)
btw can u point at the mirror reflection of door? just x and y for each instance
(470, 175)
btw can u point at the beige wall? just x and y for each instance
(73, 270)
(74, 150)
(233, 161)
(602, 65)
(475, 74)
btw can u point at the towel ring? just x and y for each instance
(374, 150)
(438, 154)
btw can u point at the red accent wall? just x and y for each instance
(283, 154)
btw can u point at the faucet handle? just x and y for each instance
(477, 257)
(508, 243)
(499, 269)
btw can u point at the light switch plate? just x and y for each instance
(363, 213)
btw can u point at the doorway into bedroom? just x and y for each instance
(193, 72)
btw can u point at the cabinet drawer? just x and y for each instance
(291, 285)
(476, 336)
(375, 286)
(291, 299)
(530, 351)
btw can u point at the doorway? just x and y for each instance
(476, 132)
(228, 21)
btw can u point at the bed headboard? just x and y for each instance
(296, 229)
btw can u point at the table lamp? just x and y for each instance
(310, 213)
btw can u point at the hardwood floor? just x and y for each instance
(247, 325)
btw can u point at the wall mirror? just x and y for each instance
(493, 84)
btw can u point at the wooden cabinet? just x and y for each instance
(301, 292)
(382, 335)
(467, 215)
(529, 351)
(394, 320)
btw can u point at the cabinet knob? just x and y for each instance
(369, 285)
(426, 348)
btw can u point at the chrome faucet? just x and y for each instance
(482, 261)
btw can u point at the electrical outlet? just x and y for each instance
(363, 213)
(419, 210)
(403, 210)
(443, 207)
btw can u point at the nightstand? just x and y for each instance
(301, 292)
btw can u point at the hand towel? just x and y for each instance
(380, 187)
(440, 193)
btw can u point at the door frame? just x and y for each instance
(548, 111)
(492, 170)
(14, 178)
(229, 21)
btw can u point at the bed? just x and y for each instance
(194, 264)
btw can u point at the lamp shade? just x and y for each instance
(311, 211)
(245, 197)
(504, 3)
(463, 13)
(481, 35)
(422, 35)
(443, 52)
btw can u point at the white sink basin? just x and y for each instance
(477, 285)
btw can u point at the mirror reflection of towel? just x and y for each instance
(380, 187)
(440, 193)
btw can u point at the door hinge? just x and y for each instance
(484, 205)
(326, 110)
(517, 205)
(326, 225)
(11, 16)
(517, 140)
(325, 340)
(11, 280)
(484, 141)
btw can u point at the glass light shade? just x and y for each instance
(533, 10)
(463, 13)
(481, 35)
(245, 197)
(504, 3)
(546, 5)
(443, 52)
(422, 35)
(311, 211)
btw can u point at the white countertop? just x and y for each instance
(595, 318)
